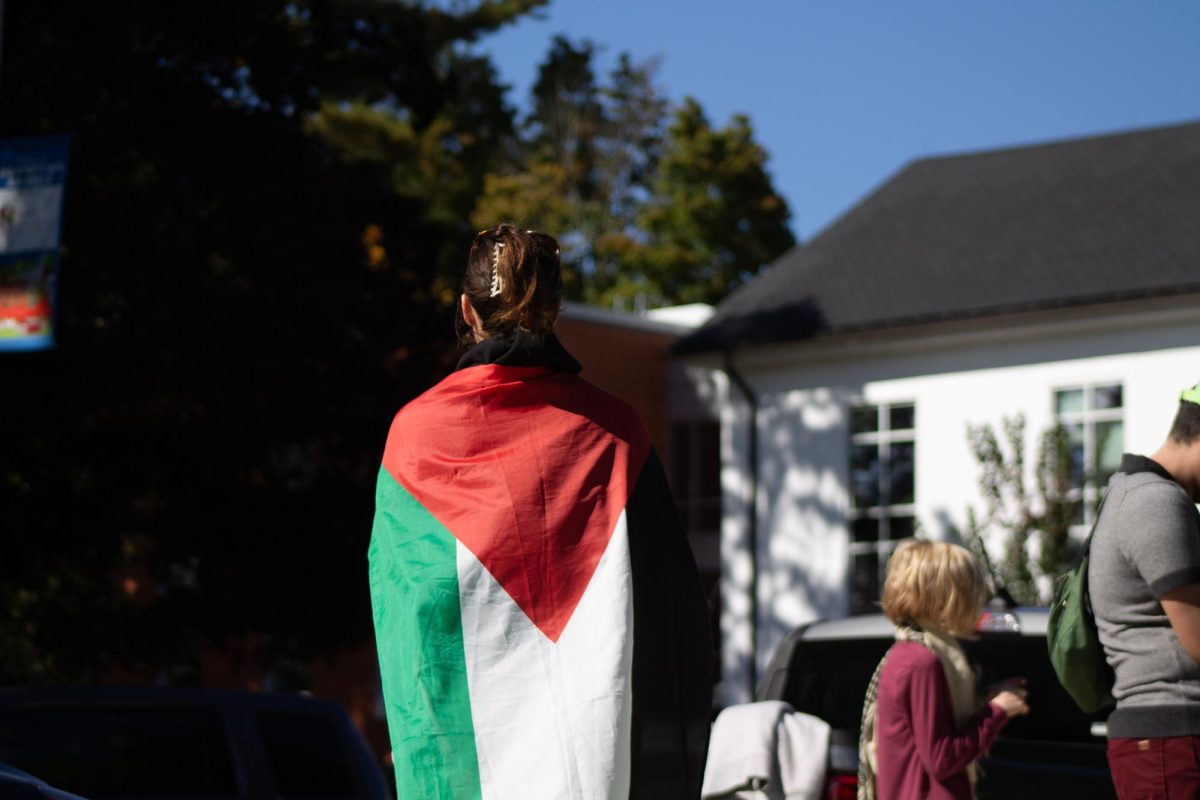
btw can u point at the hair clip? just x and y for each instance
(497, 283)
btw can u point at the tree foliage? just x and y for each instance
(713, 218)
(259, 198)
(1033, 526)
(266, 208)
(650, 202)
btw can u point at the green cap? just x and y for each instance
(1191, 395)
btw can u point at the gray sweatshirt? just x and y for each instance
(1146, 543)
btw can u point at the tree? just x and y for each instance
(439, 162)
(1022, 519)
(581, 163)
(713, 219)
(665, 215)
(249, 290)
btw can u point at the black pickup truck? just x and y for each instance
(124, 743)
(1056, 751)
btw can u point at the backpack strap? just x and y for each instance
(1087, 543)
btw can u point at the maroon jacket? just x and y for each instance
(919, 754)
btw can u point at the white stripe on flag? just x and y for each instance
(552, 720)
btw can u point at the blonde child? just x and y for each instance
(922, 727)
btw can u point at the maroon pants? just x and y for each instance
(1156, 769)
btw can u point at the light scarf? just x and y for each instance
(959, 677)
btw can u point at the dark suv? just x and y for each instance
(196, 743)
(1056, 751)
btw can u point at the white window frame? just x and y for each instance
(883, 437)
(1090, 492)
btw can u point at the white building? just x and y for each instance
(1059, 281)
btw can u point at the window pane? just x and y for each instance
(307, 757)
(1057, 718)
(864, 419)
(1097, 499)
(865, 530)
(1110, 444)
(1077, 513)
(864, 583)
(900, 418)
(1075, 436)
(829, 678)
(900, 527)
(1106, 396)
(901, 464)
(1068, 401)
(864, 475)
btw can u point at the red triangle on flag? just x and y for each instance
(530, 471)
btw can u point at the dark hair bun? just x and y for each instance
(514, 280)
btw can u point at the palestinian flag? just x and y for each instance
(540, 623)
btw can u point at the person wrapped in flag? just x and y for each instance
(541, 627)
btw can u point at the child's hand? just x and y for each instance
(1007, 685)
(1009, 696)
(1011, 703)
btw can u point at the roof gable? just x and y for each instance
(1063, 224)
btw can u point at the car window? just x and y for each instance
(307, 757)
(1053, 714)
(828, 679)
(129, 753)
(1050, 754)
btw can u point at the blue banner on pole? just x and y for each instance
(33, 177)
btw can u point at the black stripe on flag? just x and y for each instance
(672, 647)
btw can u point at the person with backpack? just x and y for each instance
(1144, 583)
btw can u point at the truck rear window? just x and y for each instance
(1052, 753)
(829, 679)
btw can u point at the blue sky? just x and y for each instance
(842, 93)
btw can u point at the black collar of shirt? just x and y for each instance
(1131, 463)
(521, 349)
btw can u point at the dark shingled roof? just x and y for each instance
(1062, 224)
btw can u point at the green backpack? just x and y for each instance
(1072, 638)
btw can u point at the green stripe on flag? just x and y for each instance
(418, 631)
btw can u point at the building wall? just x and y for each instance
(966, 377)
(628, 362)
